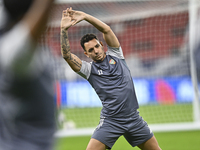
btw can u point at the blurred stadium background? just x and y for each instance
(159, 39)
(161, 43)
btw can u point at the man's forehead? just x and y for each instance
(92, 43)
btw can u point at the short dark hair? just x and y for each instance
(17, 8)
(87, 38)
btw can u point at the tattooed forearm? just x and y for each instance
(65, 47)
(66, 52)
(72, 59)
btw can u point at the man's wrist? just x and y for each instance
(86, 17)
(64, 29)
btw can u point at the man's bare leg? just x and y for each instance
(150, 144)
(96, 145)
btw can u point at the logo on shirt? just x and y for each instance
(112, 62)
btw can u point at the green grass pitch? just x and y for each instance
(89, 117)
(185, 140)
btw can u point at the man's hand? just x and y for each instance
(66, 20)
(76, 16)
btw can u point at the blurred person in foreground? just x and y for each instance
(109, 75)
(27, 111)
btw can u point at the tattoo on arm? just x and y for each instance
(65, 48)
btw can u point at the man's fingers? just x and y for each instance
(70, 8)
(74, 22)
(70, 11)
(63, 13)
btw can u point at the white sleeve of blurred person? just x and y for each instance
(18, 46)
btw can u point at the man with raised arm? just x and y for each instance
(109, 75)
(27, 110)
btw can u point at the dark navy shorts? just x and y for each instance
(134, 129)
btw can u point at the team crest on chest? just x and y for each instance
(112, 62)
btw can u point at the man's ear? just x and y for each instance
(86, 54)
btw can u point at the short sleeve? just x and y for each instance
(85, 70)
(117, 52)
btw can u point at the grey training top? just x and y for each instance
(112, 81)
